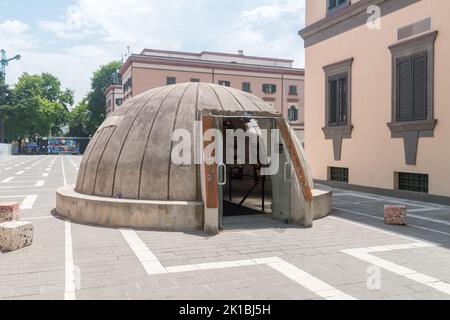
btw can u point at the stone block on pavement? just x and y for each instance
(395, 215)
(15, 235)
(9, 211)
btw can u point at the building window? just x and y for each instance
(293, 90)
(339, 174)
(338, 100)
(127, 85)
(293, 113)
(269, 88)
(224, 83)
(119, 102)
(412, 92)
(195, 80)
(338, 84)
(171, 80)
(412, 88)
(335, 4)
(413, 182)
(246, 86)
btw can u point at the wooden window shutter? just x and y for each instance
(404, 89)
(333, 103)
(420, 87)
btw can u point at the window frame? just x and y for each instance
(295, 110)
(249, 87)
(273, 88)
(224, 83)
(169, 82)
(337, 7)
(293, 92)
(411, 131)
(332, 131)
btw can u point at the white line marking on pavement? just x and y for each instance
(424, 209)
(8, 179)
(363, 254)
(148, 260)
(28, 202)
(152, 266)
(7, 169)
(48, 169)
(45, 174)
(20, 172)
(381, 199)
(64, 172)
(69, 293)
(37, 218)
(40, 183)
(438, 221)
(309, 282)
(379, 218)
(14, 196)
(374, 228)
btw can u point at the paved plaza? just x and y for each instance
(350, 255)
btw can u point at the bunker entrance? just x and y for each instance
(254, 178)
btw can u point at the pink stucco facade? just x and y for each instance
(375, 154)
(152, 69)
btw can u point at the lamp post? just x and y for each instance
(4, 62)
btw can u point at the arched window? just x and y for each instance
(293, 113)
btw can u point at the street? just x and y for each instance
(349, 255)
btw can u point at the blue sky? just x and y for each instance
(71, 38)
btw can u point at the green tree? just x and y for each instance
(80, 121)
(37, 107)
(101, 80)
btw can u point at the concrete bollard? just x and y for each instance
(395, 215)
(15, 235)
(9, 211)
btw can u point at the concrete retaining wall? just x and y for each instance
(158, 215)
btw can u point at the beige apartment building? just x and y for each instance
(377, 96)
(276, 81)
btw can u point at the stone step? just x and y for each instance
(9, 211)
(15, 235)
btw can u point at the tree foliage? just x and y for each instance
(37, 106)
(101, 80)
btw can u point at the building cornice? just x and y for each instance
(216, 54)
(209, 64)
(347, 18)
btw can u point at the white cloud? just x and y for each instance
(13, 27)
(91, 33)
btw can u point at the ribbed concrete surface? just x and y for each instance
(130, 155)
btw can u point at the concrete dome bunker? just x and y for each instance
(127, 178)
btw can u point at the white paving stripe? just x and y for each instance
(8, 179)
(20, 172)
(69, 293)
(148, 260)
(381, 199)
(69, 290)
(40, 183)
(28, 202)
(152, 266)
(45, 174)
(364, 255)
(382, 219)
(37, 218)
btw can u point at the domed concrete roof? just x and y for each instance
(130, 155)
